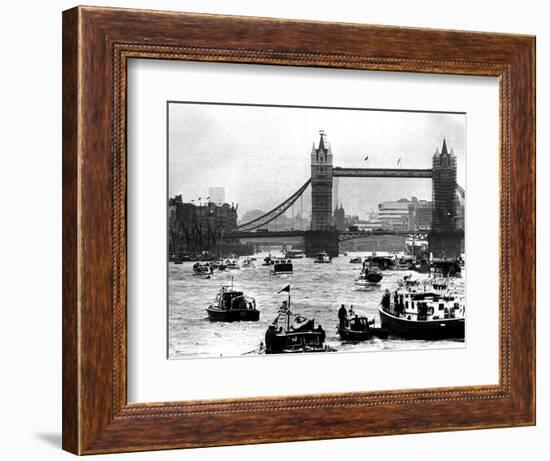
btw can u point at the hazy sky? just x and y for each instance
(261, 155)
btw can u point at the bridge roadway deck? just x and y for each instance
(300, 233)
(381, 172)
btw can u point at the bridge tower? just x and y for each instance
(445, 239)
(323, 235)
(321, 185)
(444, 190)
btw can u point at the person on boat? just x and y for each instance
(351, 311)
(284, 306)
(342, 316)
(323, 334)
(270, 337)
(422, 311)
(398, 307)
(386, 300)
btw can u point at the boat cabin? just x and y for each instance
(282, 266)
(421, 306)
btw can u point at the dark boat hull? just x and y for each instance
(235, 315)
(362, 335)
(420, 329)
(373, 278)
(296, 342)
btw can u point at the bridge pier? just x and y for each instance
(446, 244)
(321, 240)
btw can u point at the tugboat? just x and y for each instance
(282, 266)
(231, 305)
(291, 333)
(322, 258)
(423, 311)
(360, 328)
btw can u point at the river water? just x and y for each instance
(317, 291)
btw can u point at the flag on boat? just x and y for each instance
(287, 289)
(399, 161)
(366, 158)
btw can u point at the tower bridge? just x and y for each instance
(443, 238)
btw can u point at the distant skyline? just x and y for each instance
(261, 155)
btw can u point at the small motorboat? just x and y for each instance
(356, 260)
(360, 328)
(282, 266)
(232, 264)
(322, 258)
(248, 263)
(231, 305)
(404, 263)
(202, 268)
(370, 276)
(218, 265)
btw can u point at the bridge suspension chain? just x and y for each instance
(275, 212)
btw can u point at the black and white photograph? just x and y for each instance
(298, 229)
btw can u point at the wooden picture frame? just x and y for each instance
(97, 43)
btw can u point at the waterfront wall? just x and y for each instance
(390, 243)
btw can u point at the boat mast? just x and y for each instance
(288, 311)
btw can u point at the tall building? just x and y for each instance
(394, 215)
(321, 185)
(340, 218)
(423, 217)
(336, 192)
(217, 195)
(444, 190)
(193, 228)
